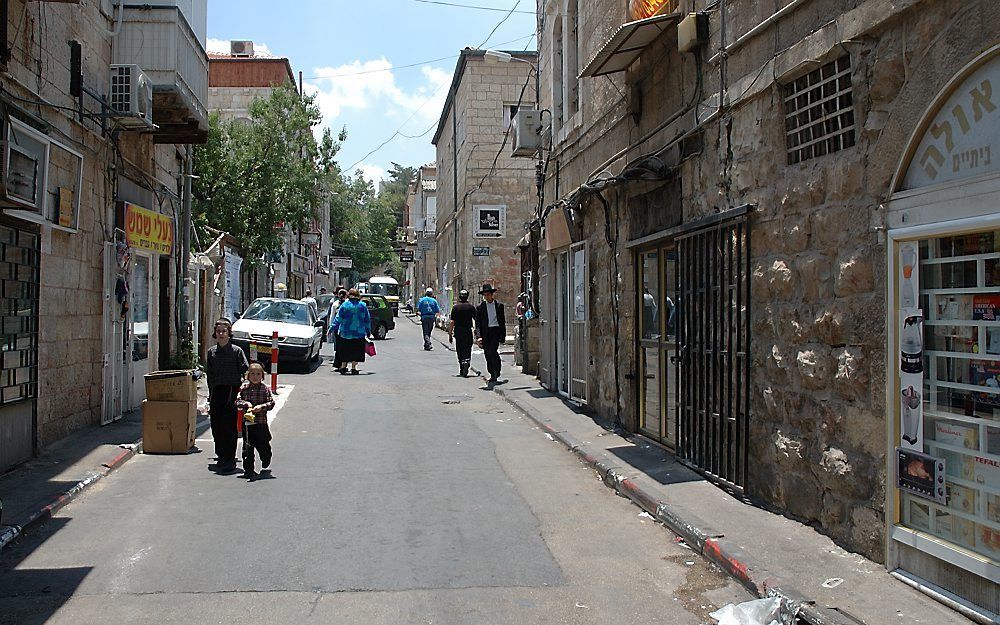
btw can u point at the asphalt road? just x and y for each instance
(403, 495)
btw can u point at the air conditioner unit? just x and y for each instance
(527, 129)
(241, 48)
(131, 96)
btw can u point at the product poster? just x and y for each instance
(911, 350)
(921, 475)
(579, 284)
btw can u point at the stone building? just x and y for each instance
(484, 195)
(749, 216)
(92, 205)
(235, 81)
(421, 228)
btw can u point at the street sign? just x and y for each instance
(406, 256)
(425, 245)
(337, 262)
(480, 251)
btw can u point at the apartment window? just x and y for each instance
(571, 59)
(509, 112)
(819, 112)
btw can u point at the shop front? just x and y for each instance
(133, 273)
(943, 382)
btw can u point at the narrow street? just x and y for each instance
(404, 495)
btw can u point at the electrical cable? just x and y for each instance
(469, 6)
(397, 133)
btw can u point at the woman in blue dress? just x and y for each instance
(354, 329)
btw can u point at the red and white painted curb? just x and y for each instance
(10, 533)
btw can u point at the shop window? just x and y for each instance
(819, 112)
(955, 363)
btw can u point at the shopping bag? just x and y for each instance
(370, 348)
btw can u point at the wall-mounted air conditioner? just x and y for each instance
(241, 48)
(131, 96)
(527, 131)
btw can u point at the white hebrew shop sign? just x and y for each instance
(963, 139)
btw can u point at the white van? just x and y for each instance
(388, 288)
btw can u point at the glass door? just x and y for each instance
(139, 328)
(658, 364)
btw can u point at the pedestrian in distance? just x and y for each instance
(256, 400)
(309, 299)
(491, 330)
(354, 330)
(331, 317)
(428, 308)
(463, 315)
(225, 365)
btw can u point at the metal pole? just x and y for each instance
(185, 240)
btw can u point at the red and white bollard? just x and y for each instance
(274, 361)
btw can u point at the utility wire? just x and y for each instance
(397, 133)
(469, 6)
(411, 65)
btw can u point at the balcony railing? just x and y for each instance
(160, 41)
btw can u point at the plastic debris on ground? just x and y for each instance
(833, 582)
(549, 436)
(645, 515)
(756, 612)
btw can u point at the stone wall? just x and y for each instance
(71, 293)
(484, 177)
(818, 433)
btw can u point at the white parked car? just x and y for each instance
(300, 333)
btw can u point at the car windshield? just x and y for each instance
(383, 289)
(277, 310)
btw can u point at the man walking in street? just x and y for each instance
(309, 299)
(460, 329)
(428, 309)
(491, 330)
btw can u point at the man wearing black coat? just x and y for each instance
(491, 330)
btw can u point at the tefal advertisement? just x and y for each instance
(911, 348)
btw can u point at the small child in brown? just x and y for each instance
(256, 400)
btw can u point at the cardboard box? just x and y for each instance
(171, 385)
(168, 426)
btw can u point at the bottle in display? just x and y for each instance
(911, 344)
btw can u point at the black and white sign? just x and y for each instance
(480, 251)
(406, 256)
(490, 221)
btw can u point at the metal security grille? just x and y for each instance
(819, 112)
(19, 289)
(121, 89)
(713, 379)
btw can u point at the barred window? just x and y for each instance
(819, 112)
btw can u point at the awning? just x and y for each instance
(627, 44)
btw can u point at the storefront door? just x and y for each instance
(658, 362)
(693, 344)
(142, 334)
(571, 316)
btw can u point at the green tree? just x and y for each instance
(254, 176)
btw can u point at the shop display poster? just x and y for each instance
(921, 475)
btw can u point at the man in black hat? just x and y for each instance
(491, 330)
(462, 316)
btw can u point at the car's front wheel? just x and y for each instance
(381, 331)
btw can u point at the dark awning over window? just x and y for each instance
(627, 44)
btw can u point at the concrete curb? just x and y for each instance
(11, 533)
(698, 535)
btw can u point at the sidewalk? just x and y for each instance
(33, 491)
(766, 552)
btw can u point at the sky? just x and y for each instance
(376, 67)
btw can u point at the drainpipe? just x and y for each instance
(454, 174)
(185, 240)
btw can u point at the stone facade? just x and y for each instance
(817, 438)
(421, 229)
(72, 291)
(484, 172)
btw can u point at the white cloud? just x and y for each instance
(371, 85)
(221, 46)
(372, 173)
